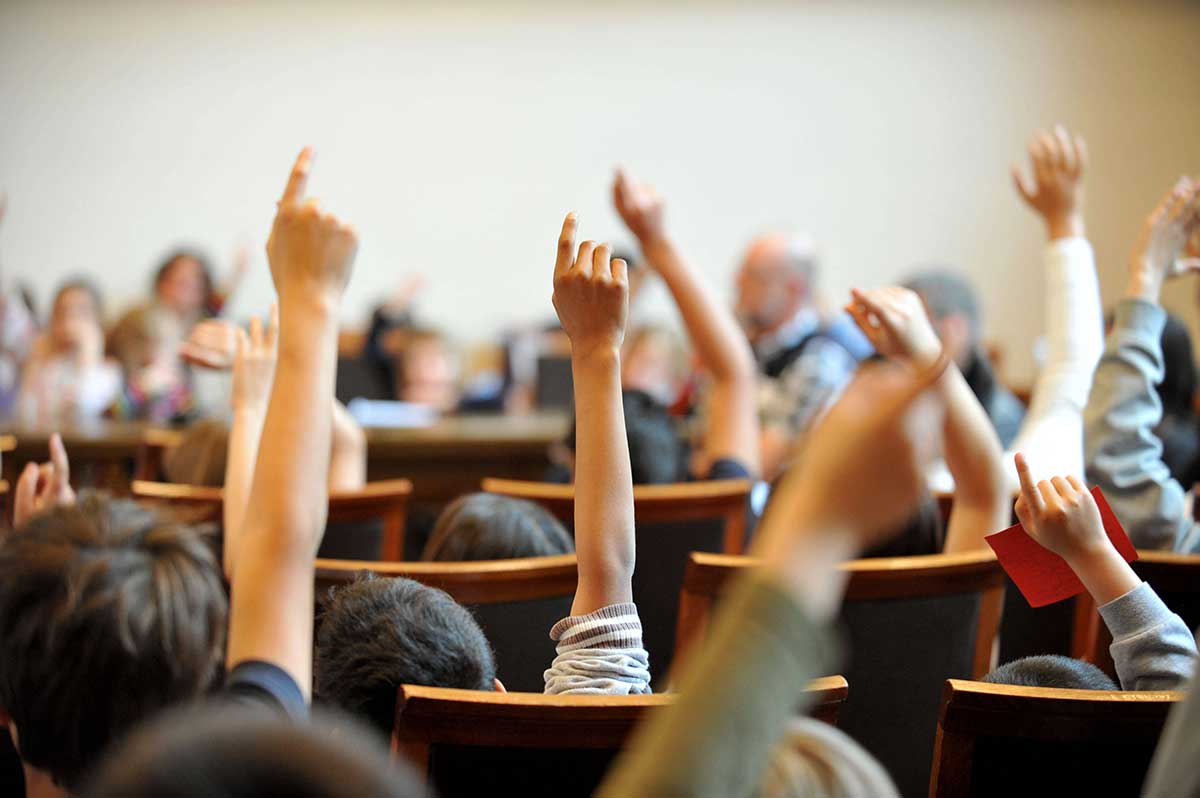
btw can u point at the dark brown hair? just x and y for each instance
(482, 526)
(108, 613)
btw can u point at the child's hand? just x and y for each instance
(212, 344)
(43, 487)
(1058, 163)
(895, 321)
(1164, 235)
(591, 294)
(640, 208)
(1060, 514)
(254, 363)
(310, 251)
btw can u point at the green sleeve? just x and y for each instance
(734, 703)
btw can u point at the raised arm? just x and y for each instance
(1123, 455)
(732, 417)
(41, 487)
(311, 254)
(591, 296)
(348, 457)
(898, 326)
(861, 476)
(1051, 434)
(1152, 647)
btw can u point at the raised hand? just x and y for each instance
(212, 344)
(1058, 161)
(254, 363)
(311, 252)
(1060, 513)
(640, 208)
(1165, 234)
(591, 294)
(895, 321)
(40, 488)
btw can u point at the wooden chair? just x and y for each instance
(912, 622)
(354, 518)
(469, 743)
(1176, 580)
(1003, 740)
(515, 602)
(672, 521)
(150, 458)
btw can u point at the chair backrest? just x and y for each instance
(515, 602)
(672, 521)
(149, 462)
(912, 623)
(368, 523)
(470, 743)
(1175, 578)
(999, 739)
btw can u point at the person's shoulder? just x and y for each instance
(257, 683)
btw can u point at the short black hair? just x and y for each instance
(483, 526)
(228, 751)
(379, 633)
(109, 612)
(1051, 670)
(657, 453)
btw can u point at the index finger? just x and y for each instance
(58, 458)
(566, 244)
(298, 179)
(1033, 497)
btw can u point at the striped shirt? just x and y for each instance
(599, 653)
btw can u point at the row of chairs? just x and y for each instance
(990, 739)
(912, 621)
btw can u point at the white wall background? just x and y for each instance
(456, 135)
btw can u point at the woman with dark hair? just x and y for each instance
(184, 285)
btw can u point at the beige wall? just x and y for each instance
(456, 136)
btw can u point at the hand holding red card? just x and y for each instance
(1042, 576)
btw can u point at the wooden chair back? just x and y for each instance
(367, 522)
(672, 521)
(470, 743)
(1175, 578)
(998, 739)
(515, 602)
(149, 461)
(912, 623)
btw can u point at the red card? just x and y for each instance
(1042, 576)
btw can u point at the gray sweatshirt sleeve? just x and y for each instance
(1123, 455)
(1152, 648)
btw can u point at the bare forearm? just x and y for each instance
(244, 436)
(982, 503)
(604, 539)
(1104, 574)
(348, 458)
(289, 493)
(714, 332)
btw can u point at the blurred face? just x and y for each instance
(769, 292)
(182, 288)
(74, 318)
(430, 377)
(649, 365)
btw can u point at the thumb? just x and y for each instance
(1023, 188)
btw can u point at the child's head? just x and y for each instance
(237, 752)
(481, 526)
(199, 458)
(377, 634)
(108, 614)
(652, 361)
(428, 370)
(144, 337)
(1051, 670)
(183, 283)
(76, 312)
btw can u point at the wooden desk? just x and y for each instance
(443, 461)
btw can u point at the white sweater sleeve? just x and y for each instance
(1051, 436)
